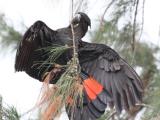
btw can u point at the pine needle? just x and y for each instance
(68, 89)
(64, 93)
(54, 52)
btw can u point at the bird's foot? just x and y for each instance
(48, 76)
(44, 76)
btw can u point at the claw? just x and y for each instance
(48, 76)
(44, 76)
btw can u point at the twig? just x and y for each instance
(74, 43)
(134, 26)
(112, 114)
(140, 33)
(142, 19)
(105, 11)
(72, 1)
(144, 105)
(80, 4)
(75, 59)
(134, 31)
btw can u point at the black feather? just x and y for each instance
(122, 87)
(117, 77)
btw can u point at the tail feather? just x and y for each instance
(95, 101)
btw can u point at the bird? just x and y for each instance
(39, 36)
(108, 80)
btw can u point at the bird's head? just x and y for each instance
(81, 18)
(81, 21)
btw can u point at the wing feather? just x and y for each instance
(117, 77)
(39, 35)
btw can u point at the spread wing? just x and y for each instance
(111, 81)
(29, 49)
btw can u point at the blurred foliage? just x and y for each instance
(8, 34)
(105, 116)
(117, 32)
(8, 113)
(142, 57)
(152, 98)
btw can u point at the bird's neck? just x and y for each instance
(83, 28)
(79, 31)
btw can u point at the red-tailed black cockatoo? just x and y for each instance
(107, 78)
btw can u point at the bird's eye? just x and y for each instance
(75, 23)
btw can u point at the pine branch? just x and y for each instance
(68, 89)
(54, 52)
(65, 92)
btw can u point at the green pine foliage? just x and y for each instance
(117, 32)
(152, 99)
(8, 113)
(8, 34)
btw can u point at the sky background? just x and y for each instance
(19, 89)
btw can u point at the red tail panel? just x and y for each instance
(92, 87)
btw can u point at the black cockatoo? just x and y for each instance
(107, 78)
